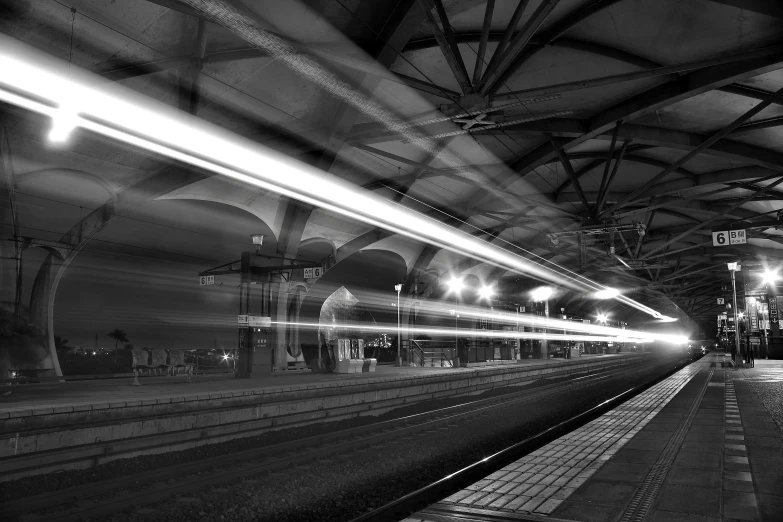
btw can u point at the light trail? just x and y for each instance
(75, 98)
(561, 324)
(492, 334)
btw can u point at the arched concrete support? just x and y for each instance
(294, 222)
(293, 341)
(51, 273)
(44, 173)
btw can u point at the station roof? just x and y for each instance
(609, 137)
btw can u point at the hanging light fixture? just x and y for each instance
(258, 240)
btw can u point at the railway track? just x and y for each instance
(100, 452)
(421, 499)
(106, 497)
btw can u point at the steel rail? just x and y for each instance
(427, 495)
(337, 441)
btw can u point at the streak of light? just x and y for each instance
(537, 321)
(46, 85)
(607, 293)
(493, 334)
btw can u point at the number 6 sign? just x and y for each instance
(729, 237)
(720, 238)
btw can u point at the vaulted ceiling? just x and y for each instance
(609, 137)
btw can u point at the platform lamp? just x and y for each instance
(258, 240)
(770, 277)
(733, 268)
(456, 285)
(398, 287)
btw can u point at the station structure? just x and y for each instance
(474, 186)
(631, 143)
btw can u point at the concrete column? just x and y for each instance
(42, 312)
(279, 312)
(293, 342)
(10, 246)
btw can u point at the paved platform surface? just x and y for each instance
(51, 396)
(703, 445)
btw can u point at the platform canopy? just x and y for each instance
(606, 137)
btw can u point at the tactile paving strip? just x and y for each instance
(643, 498)
(542, 480)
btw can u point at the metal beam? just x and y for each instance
(492, 78)
(723, 213)
(602, 194)
(446, 42)
(704, 145)
(537, 43)
(767, 123)
(601, 158)
(507, 35)
(482, 50)
(688, 86)
(607, 165)
(669, 70)
(550, 36)
(684, 249)
(574, 181)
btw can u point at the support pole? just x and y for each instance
(399, 328)
(736, 323)
(456, 333)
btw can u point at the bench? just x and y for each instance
(348, 356)
(161, 362)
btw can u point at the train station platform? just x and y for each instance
(70, 396)
(702, 445)
(76, 424)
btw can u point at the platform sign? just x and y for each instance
(311, 273)
(255, 321)
(243, 321)
(721, 301)
(728, 237)
(206, 280)
(773, 310)
(754, 318)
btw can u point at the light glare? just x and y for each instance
(455, 285)
(486, 292)
(63, 124)
(541, 294)
(607, 293)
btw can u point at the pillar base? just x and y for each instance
(398, 364)
(456, 362)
